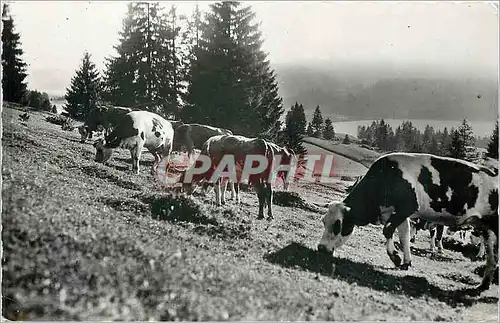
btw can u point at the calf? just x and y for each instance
(139, 129)
(194, 135)
(239, 147)
(398, 186)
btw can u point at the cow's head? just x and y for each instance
(288, 158)
(84, 133)
(102, 153)
(337, 227)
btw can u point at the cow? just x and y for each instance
(106, 117)
(436, 234)
(139, 129)
(400, 186)
(239, 147)
(287, 157)
(435, 230)
(194, 135)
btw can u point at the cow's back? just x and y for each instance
(150, 127)
(426, 184)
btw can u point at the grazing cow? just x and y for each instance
(194, 135)
(139, 129)
(106, 117)
(398, 186)
(288, 157)
(239, 147)
(435, 230)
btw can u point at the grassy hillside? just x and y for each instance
(352, 151)
(86, 241)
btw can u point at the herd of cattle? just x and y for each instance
(403, 192)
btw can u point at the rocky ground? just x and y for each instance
(86, 241)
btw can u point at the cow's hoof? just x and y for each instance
(440, 251)
(405, 266)
(260, 217)
(223, 202)
(396, 259)
(270, 218)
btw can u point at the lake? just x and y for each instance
(480, 128)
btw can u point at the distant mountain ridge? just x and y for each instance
(371, 93)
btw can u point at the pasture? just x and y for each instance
(86, 241)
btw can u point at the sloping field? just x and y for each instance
(359, 154)
(86, 241)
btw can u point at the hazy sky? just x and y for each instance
(458, 36)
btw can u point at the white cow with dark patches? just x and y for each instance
(139, 129)
(398, 186)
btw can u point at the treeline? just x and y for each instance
(207, 68)
(457, 143)
(297, 127)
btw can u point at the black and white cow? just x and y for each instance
(436, 232)
(139, 129)
(398, 186)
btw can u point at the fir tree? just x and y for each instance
(456, 148)
(84, 93)
(295, 127)
(328, 132)
(232, 84)
(309, 131)
(317, 122)
(492, 148)
(13, 67)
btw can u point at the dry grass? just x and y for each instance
(86, 241)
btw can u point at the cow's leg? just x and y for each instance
(489, 239)
(269, 200)
(217, 192)
(481, 253)
(432, 233)
(224, 188)
(394, 221)
(439, 238)
(236, 188)
(260, 196)
(404, 239)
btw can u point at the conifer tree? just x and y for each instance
(456, 149)
(328, 132)
(14, 73)
(309, 131)
(492, 149)
(317, 122)
(84, 93)
(232, 84)
(295, 128)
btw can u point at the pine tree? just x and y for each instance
(14, 74)
(295, 128)
(456, 148)
(84, 93)
(492, 149)
(232, 84)
(382, 135)
(147, 71)
(328, 132)
(309, 131)
(317, 122)
(466, 134)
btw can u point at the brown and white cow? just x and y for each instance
(239, 148)
(194, 135)
(138, 130)
(398, 186)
